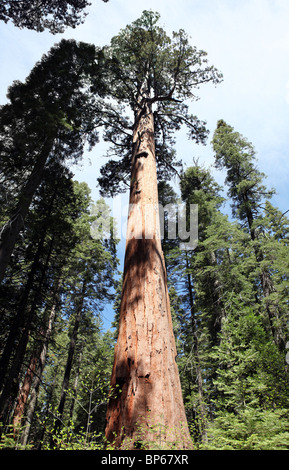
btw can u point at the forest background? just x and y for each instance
(248, 42)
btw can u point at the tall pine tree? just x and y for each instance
(151, 76)
(50, 117)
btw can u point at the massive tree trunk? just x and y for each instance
(148, 406)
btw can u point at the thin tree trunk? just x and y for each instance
(76, 380)
(38, 374)
(71, 352)
(203, 423)
(14, 371)
(149, 404)
(21, 316)
(24, 394)
(267, 288)
(272, 311)
(11, 229)
(46, 411)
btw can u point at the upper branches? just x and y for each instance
(146, 69)
(54, 15)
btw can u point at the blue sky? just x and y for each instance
(248, 41)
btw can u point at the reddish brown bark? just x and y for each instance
(24, 394)
(149, 407)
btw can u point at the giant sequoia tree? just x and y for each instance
(151, 75)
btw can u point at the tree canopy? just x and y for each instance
(50, 117)
(145, 65)
(54, 15)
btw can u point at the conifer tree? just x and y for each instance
(49, 239)
(151, 76)
(49, 118)
(213, 281)
(248, 195)
(246, 189)
(54, 15)
(89, 282)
